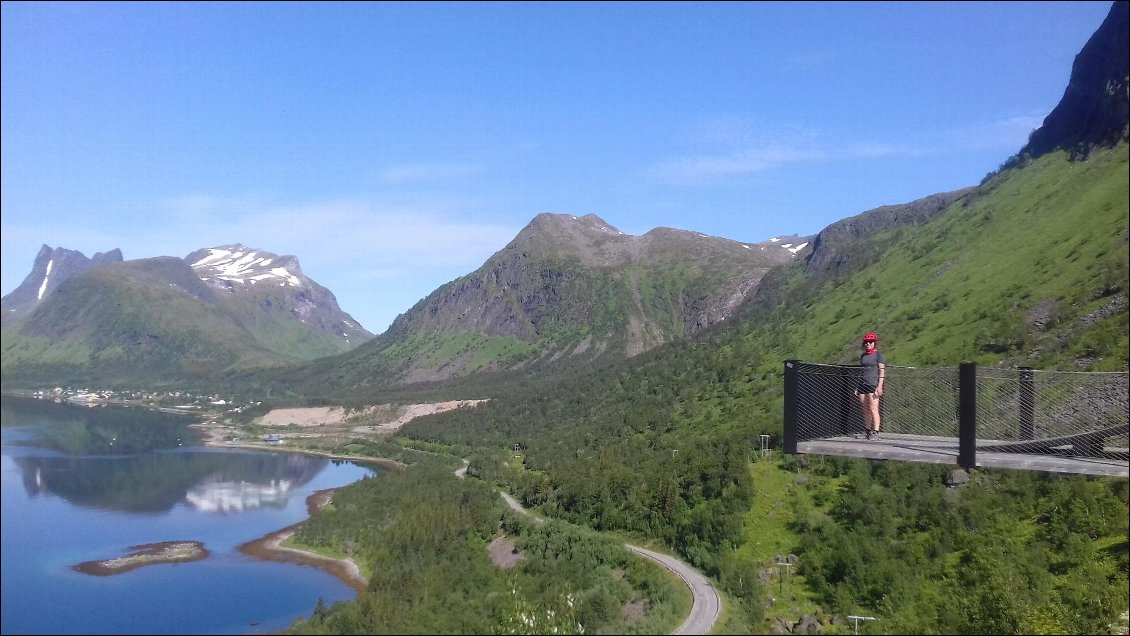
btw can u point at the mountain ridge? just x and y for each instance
(237, 269)
(51, 267)
(567, 290)
(129, 319)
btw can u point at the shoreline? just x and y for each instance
(387, 464)
(270, 548)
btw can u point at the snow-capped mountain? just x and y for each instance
(225, 267)
(168, 318)
(277, 284)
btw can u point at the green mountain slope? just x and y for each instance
(283, 309)
(167, 320)
(148, 321)
(1029, 271)
(565, 294)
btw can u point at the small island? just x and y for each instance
(146, 554)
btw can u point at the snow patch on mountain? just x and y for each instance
(243, 265)
(792, 247)
(46, 277)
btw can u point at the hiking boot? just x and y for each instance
(868, 434)
(875, 435)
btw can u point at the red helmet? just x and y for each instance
(870, 337)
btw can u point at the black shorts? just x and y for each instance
(865, 388)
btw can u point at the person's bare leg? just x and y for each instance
(864, 398)
(876, 419)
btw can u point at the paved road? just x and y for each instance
(705, 606)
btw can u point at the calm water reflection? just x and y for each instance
(81, 484)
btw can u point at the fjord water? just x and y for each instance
(83, 484)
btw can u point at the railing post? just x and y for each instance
(1027, 399)
(967, 415)
(790, 407)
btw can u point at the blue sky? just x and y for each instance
(393, 147)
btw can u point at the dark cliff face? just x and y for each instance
(1095, 108)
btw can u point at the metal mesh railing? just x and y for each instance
(1081, 414)
(920, 401)
(915, 401)
(1053, 412)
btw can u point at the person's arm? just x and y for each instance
(882, 376)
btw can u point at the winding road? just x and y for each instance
(706, 605)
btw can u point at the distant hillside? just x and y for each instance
(149, 321)
(165, 320)
(284, 309)
(837, 248)
(567, 291)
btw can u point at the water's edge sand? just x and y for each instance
(270, 548)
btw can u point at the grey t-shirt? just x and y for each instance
(870, 363)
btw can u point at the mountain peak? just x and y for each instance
(565, 235)
(274, 286)
(221, 266)
(52, 266)
(1096, 104)
(553, 222)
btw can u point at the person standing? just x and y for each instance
(870, 387)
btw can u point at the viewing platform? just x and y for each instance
(1022, 419)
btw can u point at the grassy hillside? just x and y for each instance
(265, 313)
(149, 318)
(155, 322)
(1031, 271)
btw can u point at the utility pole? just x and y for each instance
(781, 579)
(855, 620)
